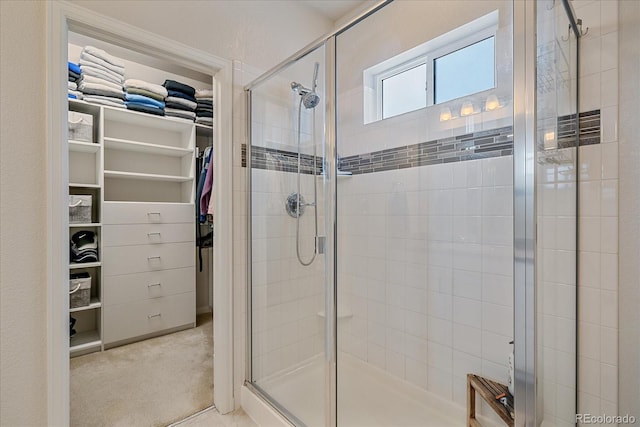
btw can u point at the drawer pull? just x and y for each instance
(153, 284)
(153, 257)
(156, 233)
(151, 316)
(153, 213)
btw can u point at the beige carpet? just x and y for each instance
(149, 383)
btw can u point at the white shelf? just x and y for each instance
(95, 303)
(205, 127)
(85, 341)
(143, 147)
(76, 265)
(80, 185)
(88, 224)
(144, 119)
(83, 146)
(146, 176)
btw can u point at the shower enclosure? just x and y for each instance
(398, 170)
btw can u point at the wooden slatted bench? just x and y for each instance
(488, 390)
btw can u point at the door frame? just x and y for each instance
(60, 18)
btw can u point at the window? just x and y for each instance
(404, 92)
(454, 65)
(464, 72)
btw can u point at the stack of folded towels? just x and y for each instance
(180, 101)
(72, 83)
(204, 108)
(102, 77)
(145, 97)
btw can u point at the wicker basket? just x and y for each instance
(80, 126)
(79, 290)
(79, 209)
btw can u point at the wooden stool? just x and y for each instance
(488, 390)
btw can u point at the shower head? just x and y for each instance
(310, 100)
(297, 87)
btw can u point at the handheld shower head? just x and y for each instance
(314, 82)
(310, 98)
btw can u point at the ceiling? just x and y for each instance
(333, 9)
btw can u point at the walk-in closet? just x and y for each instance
(141, 133)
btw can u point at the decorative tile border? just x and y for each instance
(589, 129)
(281, 160)
(472, 146)
(479, 145)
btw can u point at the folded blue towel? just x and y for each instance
(180, 87)
(178, 94)
(72, 96)
(74, 67)
(144, 100)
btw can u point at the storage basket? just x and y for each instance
(80, 209)
(79, 290)
(80, 126)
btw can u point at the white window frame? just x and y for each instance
(425, 54)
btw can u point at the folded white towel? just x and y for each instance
(72, 86)
(141, 84)
(86, 57)
(105, 100)
(100, 89)
(101, 72)
(104, 56)
(176, 112)
(205, 121)
(100, 81)
(78, 94)
(188, 104)
(204, 93)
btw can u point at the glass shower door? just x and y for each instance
(287, 229)
(557, 159)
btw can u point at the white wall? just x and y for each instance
(23, 328)
(261, 33)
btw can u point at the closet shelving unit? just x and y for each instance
(140, 171)
(85, 178)
(149, 225)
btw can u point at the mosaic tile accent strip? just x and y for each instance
(589, 129)
(478, 145)
(281, 160)
(472, 146)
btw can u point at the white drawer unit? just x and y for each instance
(148, 213)
(139, 318)
(128, 288)
(147, 234)
(142, 258)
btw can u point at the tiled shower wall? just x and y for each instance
(425, 224)
(287, 297)
(425, 268)
(598, 233)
